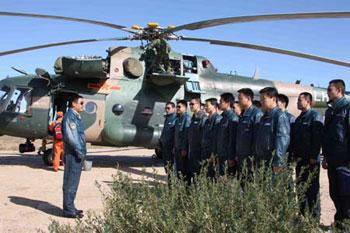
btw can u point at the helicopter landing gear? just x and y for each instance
(46, 154)
(26, 147)
(47, 157)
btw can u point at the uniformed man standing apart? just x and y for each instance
(282, 103)
(246, 131)
(227, 129)
(182, 125)
(305, 148)
(75, 152)
(167, 137)
(336, 144)
(273, 134)
(195, 133)
(210, 130)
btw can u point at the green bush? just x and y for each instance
(266, 205)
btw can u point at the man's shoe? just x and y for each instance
(79, 211)
(77, 215)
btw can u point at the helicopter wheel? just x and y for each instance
(47, 157)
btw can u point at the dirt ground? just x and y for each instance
(31, 194)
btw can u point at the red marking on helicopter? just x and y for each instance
(115, 88)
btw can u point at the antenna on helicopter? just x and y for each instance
(19, 70)
(256, 74)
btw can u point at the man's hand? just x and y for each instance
(183, 153)
(276, 169)
(324, 164)
(313, 161)
(232, 162)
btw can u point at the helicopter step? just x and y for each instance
(28, 146)
(163, 79)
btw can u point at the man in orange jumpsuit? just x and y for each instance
(56, 129)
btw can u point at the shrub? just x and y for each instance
(265, 205)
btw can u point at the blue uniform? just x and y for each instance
(226, 138)
(273, 137)
(74, 154)
(246, 133)
(167, 138)
(182, 125)
(195, 133)
(209, 144)
(290, 117)
(305, 144)
(336, 144)
(210, 131)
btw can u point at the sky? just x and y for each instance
(326, 37)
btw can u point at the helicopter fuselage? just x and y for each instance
(121, 110)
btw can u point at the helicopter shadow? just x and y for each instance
(135, 165)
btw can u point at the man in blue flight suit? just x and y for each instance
(195, 133)
(246, 132)
(210, 131)
(336, 145)
(74, 154)
(273, 134)
(166, 140)
(305, 149)
(182, 125)
(226, 134)
(282, 103)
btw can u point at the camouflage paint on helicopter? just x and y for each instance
(142, 99)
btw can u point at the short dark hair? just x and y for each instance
(307, 95)
(183, 103)
(197, 99)
(338, 83)
(212, 101)
(283, 98)
(269, 91)
(228, 98)
(73, 99)
(247, 92)
(257, 103)
(170, 103)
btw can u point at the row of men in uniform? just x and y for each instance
(262, 135)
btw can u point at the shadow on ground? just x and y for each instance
(127, 163)
(43, 206)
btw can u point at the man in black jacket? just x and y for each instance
(226, 136)
(246, 130)
(180, 150)
(195, 133)
(336, 144)
(210, 131)
(305, 149)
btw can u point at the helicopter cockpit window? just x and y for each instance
(20, 101)
(4, 93)
(190, 64)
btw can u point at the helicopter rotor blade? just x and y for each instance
(255, 18)
(268, 49)
(21, 50)
(89, 21)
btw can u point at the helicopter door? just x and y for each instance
(94, 117)
(190, 69)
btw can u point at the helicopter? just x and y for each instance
(124, 95)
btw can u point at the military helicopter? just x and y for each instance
(124, 94)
